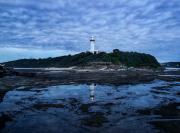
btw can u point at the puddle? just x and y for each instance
(91, 108)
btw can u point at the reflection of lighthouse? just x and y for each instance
(92, 91)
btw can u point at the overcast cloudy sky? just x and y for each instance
(42, 28)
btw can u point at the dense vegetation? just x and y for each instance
(129, 59)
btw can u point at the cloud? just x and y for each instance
(24, 53)
(136, 25)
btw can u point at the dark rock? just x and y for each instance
(169, 117)
(85, 107)
(168, 110)
(2, 94)
(47, 105)
(4, 71)
(178, 93)
(25, 74)
(167, 126)
(171, 110)
(3, 119)
(145, 112)
(96, 119)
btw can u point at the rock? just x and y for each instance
(4, 71)
(4, 118)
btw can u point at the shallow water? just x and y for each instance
(88, 108)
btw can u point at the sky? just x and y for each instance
(49, 28)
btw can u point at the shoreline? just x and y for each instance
(150, 85)
(48, 77)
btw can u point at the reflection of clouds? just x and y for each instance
(92, 91)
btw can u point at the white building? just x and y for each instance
(92, 47)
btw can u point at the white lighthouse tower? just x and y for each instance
(92, 43)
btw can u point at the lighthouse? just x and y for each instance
(92, 43)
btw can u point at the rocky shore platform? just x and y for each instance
(54, 76)
(127, 100)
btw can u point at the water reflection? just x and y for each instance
(80, 106)
(92, 91)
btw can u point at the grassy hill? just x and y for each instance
(129, 59)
